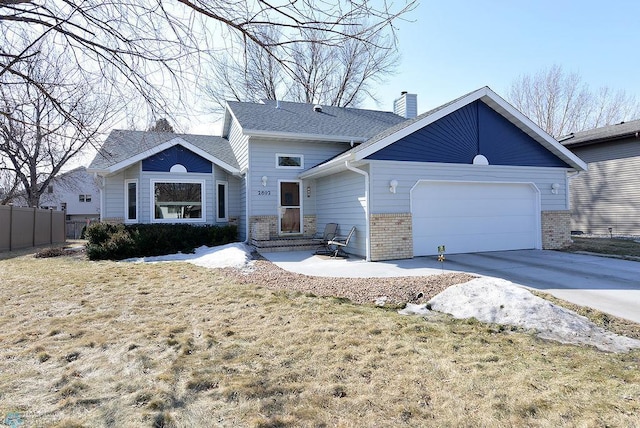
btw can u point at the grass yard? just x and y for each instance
(104, 344)
(610, 246)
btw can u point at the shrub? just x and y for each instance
(108, 241)
(119, 241)
(51, 252)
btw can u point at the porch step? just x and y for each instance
(288, 244)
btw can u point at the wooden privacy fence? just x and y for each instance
(22, 227)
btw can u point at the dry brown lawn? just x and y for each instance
(109, 344)
(612, 246)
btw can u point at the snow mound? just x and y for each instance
(493, 300)
(237, 255)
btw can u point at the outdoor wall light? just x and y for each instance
(392, 186)
(264, 180)
(554, 188)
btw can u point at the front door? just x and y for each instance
(289, 208)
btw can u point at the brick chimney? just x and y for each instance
(406, 106)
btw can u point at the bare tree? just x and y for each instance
(9, 184)
(149, 45)
(560, 103)
(40, 136)
(314, 72)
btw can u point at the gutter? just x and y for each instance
(366, 207)
(303, 136)
(326, 167)
(598, 140)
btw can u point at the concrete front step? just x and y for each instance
(290, 244)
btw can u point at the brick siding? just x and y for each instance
(391, 236)
(310, 227)
(265, 227)
(556, 229)
(261, 228)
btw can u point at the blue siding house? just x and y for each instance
(473, 175)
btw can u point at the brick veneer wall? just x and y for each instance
(310, 227)
(391, 236)
(556, 229)
(263, 227)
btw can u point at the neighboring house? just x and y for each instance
(472, 175)
(75, 192)
(606, 198)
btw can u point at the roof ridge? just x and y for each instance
(164, 132)
(272, 102)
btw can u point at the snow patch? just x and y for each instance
(236, 255)
(493, 300)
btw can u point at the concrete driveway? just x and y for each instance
(607, 284)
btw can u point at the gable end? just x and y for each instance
(475, 129)
(164, 160)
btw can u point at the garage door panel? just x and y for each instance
(472, 217)
(474, 224)
(460, 244)
(481, 209)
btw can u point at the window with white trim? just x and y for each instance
(131, 201)
(289, 161)
(178, 201)
(222, 201)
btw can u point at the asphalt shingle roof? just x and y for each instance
(604, 133)
(121, 145)
(393, 129)
(301, 119)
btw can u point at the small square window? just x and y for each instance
(81, 198)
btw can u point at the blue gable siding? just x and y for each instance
(163, 161)
(469, 131)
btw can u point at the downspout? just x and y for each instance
(366, 207)
(101, 186)
(247, 207)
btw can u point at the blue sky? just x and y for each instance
(454, 46)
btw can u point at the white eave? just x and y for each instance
(332, 166)
(159, 148)
(304, 137)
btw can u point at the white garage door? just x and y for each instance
(469, 217)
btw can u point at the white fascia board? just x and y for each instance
(427, 120)
(226, 120)
(330, 167)
(533, 130)
(306, 137)
(166, 145)
(98, 171)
